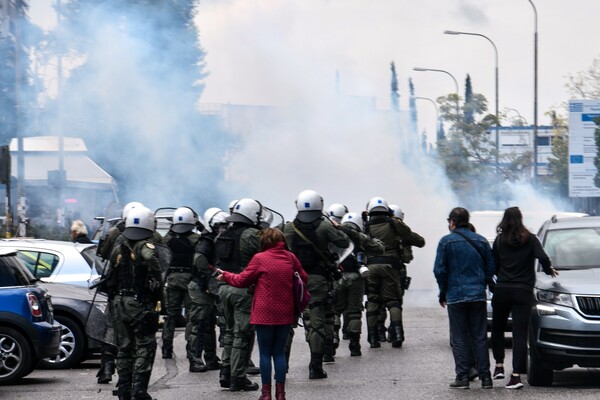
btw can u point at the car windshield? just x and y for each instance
(576, 248)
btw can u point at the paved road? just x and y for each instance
(421, 369)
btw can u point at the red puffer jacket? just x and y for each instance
(272, 271)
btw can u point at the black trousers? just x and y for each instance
(518, 302)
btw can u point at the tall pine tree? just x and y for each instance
(395, 96)
(412, 106)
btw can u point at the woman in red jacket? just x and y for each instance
(272, 271)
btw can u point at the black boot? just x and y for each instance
(391, 334)
(167, 349)
(354, 344)
(373, 338)
(315, 368)
(329, 351)
(225, 377)
(106, 371)
(398, 336)
(123, 389)
(252, 369)
(197, 365)
(381, 331)
(212, 361)
(242, 384)
(140, 386)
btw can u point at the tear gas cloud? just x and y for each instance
(343, 147)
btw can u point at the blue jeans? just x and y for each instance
(271, 345)
(469, 319)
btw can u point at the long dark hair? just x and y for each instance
(511, 227)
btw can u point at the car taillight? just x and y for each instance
(34, 305)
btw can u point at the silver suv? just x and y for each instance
(565, 320)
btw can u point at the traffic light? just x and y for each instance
(4, 164)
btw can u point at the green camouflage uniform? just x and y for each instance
(350, 290)
(319, 316)
(387, 275)
(203, 292)
(137, 284)
(178, 279)
(237, 303)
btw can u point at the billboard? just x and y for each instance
(582, 148)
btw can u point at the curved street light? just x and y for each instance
(437, 115)
(497, 84)
(419, 69)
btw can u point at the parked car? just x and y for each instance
(565, 320)
(28, 331)
(58, 261)
(80, 312)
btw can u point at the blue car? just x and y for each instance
(28, 332)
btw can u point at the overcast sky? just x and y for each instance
(274, 52)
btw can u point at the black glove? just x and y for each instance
(442, 297)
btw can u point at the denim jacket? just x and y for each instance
(460, 271)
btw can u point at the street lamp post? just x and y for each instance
(418, 69)
(497, 86)
(437, 115)
(535, 93)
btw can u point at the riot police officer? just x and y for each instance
(351, 288)
(183, 242)
(387, 279)
(105, 248)
(308, 237)
(234, 248)
(136, 279)
(204, 295)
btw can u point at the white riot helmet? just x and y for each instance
(309, 205)
(353, 218)
(231, 205)
(208, 216)
(128, 207)
(184, 220)
(219, 222)
(140, 224)
(336, 211)
(247, 211)
(377, 204)
(398, 213)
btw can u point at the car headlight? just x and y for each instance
(561, 299)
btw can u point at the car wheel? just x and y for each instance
(537, 374)
(72, 342)
(15, 355)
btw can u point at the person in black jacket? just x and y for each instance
(515, 251)
(79, 232)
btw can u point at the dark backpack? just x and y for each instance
(227, 248)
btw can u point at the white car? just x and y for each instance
(58, 261)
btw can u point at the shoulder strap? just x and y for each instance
(311, 243)
(470, 242)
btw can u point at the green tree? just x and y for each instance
(137, 75)
(585, 84)
(395, 97)
(468, 155)
(558, 181)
